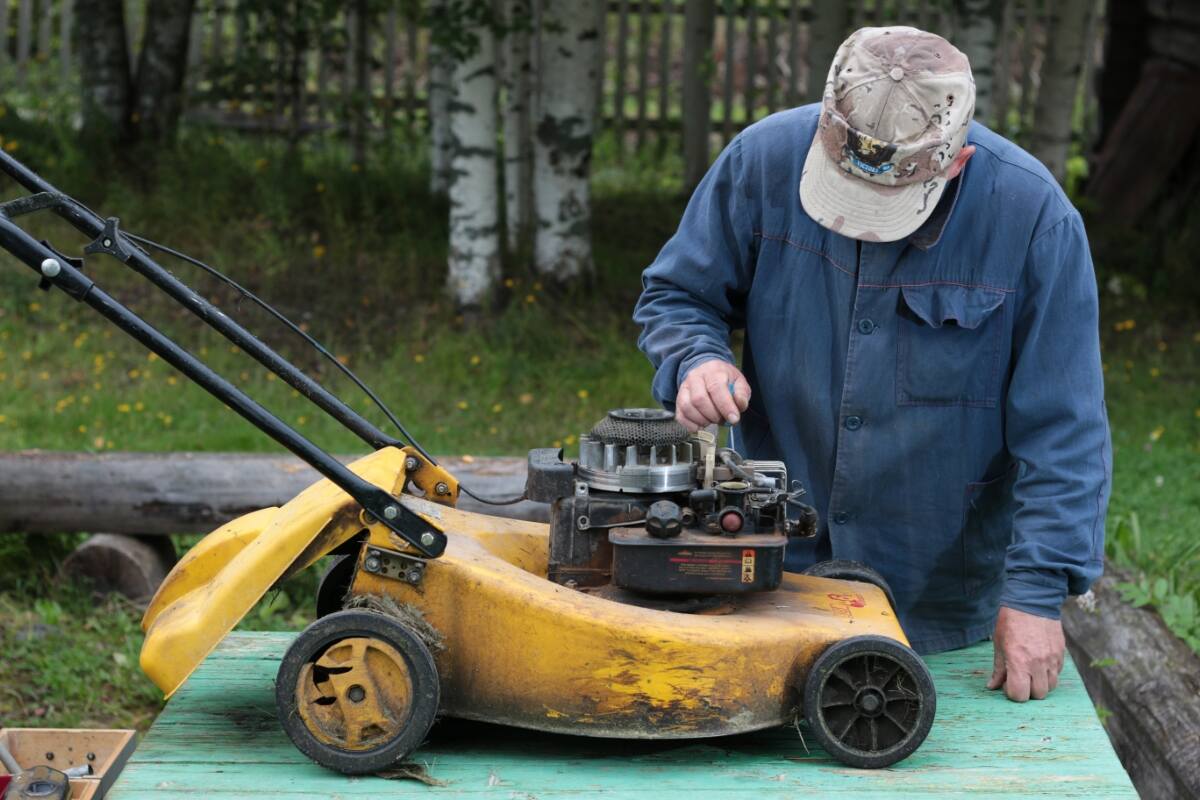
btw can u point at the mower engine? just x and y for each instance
(651, 509)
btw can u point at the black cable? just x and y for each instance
(493, 501)
(295, 329)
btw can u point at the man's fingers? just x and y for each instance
(1016, 685)
(718, 392)
(741, 392)
(1039, 685)
(997, 679)
(702, 406)
(1052, 680)
(684, 412)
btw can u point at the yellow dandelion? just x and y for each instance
(1198, 413)
(497, 408)
(44, 375)
(27, 355)
(139, 406)
(234, 349)
(1157, 433)
(271, 377)
(82, 429)
(1162, 346)
(537, 286)
(98, 442)
(493, 430)
(343, 360)
(3, 377)
(509, 283)
(582, 394)
(135, 374)
(570, 439)
(1195, 337)
(525, 399)
(1155, 372)
(355, 168)
(152, 357)
(302, 420)
(97, 386)
(319, 251)
(1128, 365)
(463, 405)
(12, 146)
(420, 359)
(320, 187)
(172, 380)
(86, 400)
(530, 299)
(475, 361)
(3, 418)
(110, 444)
(123, 408)
(557, 443)
(80, 340)
(261, 164)
(35, 307)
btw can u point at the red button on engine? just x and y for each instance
(731, 522)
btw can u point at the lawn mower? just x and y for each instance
(653, 605)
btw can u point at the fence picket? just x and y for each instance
(730, 61)
(622, 68)
(24, 31)
(665, 28)
(66, 23)
(643, 69)
(771, 67)
(793, 88)
(749, 89)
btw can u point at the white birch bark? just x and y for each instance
(440, 66)
(1050, 136)
(518, 134)
(474, 211)
(978, 22)
(565, 123)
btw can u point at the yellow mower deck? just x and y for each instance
(515, 647)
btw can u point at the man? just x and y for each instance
(921, 347)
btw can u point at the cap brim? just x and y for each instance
(859, 209)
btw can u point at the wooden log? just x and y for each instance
(1148, 682)
(164, 493)
(115, 563)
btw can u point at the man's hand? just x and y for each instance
(704, 398)
(1028, 655)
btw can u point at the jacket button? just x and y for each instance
(853, 423)
(840, 518)
(866, 327)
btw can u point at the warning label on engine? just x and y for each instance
(747, 566)
(714, 566)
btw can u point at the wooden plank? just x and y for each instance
(65, 34)
(158, 493)
(794, 55)
(643, 71)
(219, 737)
(771, 67)
(665, 31)
(622, 68)
(730, 11)
(24, 32)
(749, 94)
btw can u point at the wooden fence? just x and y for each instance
(759, 62)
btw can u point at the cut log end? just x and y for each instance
(127, 565)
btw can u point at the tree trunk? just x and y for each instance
(978, 22)
(162, 69)
(826, 32)
(699, 21)
(518, 133)
(103, 68)
(1050, 137)
(474, 212)
(439, 83)
(566, 123)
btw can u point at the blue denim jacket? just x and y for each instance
(941, 397)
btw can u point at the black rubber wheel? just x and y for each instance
(357, 692)
(869, 701)
(334, 585)
(846, 570)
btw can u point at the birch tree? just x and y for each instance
(518, 138)
(565, 123)
(104, 69)
(978, 24)
(162, 67)
(474, 261)
(1050, 137)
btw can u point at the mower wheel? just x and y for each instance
(844, 569)
(357, 691)
(870, 701)
(334, 584)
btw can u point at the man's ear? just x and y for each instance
(960, 161)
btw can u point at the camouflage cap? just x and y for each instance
(897, 105)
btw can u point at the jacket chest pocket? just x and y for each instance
(949, 346)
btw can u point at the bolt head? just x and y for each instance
(371, 565)
(427, 539)
(441, 488)
(107, 242)
(391, 512)
(51, 267)
(411, 464)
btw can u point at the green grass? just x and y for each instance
(358, 256)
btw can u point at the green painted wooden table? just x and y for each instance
(218, 738)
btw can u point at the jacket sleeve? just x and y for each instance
(693, 293)
(1056, 426)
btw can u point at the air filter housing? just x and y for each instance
(641, 450)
